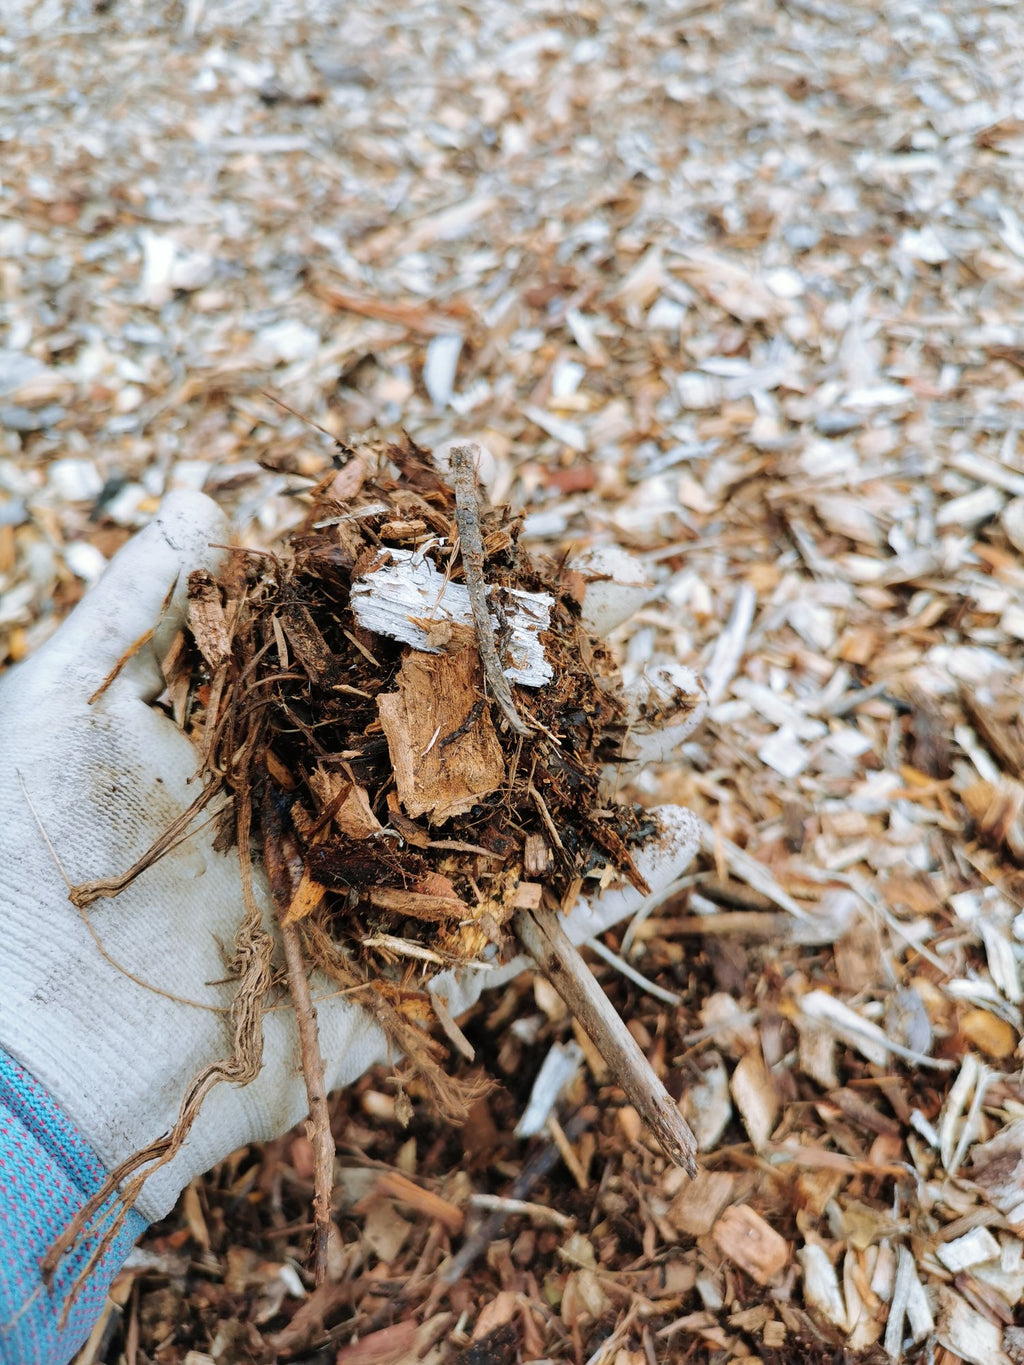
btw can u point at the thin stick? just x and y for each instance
(129, 653)
(531, 1175)
(638, 979)
(467, 518)
(303, 418)
(319, 1116)
(545, 815)
(566, 1152)
(543, 937)
(279, 851)
(540, 1213)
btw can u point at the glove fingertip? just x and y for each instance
(666, 856)
(131, 597)
(193, 527)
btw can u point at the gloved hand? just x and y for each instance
(115, 1009)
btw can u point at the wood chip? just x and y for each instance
(425, 1202)
(754, 1094)
(698, 1205)
(743, 1235)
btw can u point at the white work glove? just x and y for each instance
(104, 781)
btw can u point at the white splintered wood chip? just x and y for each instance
(569, 433)
(618, 585)
(406, 598)
(784, 752)
(706, 1105)
(909, 1304)
(965, 1332)
(821, 1286)
(439, 368)
(867, 1038)
(84, 560)
(974, 1248)
(1013, 523)
(971, 509)
(557, 1070)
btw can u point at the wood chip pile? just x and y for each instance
(736, 287)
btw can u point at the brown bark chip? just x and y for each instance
(441, 739)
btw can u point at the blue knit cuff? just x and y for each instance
(47, 1172)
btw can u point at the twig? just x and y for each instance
(129, 654)
(451, 1029)
(749, 870)
(543, 937)
(133, 649)
(567, 1153)
(303, 418)
(545, 815)
(638, 979)
(467, 518)
(532, 1173)
(540, 1213)
(319, 1115)
(279, 858)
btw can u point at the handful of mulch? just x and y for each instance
(358, 692)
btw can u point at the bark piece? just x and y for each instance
(418, 904)
(308, 896)
(207, 619)
(310, 647)
(443, 747)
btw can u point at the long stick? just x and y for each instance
(320, 1119)
(280, 861)
(467, 518)
(546, 941)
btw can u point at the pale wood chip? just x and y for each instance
(755, 1097)
(744, 1236)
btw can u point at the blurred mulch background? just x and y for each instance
(737, 286)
